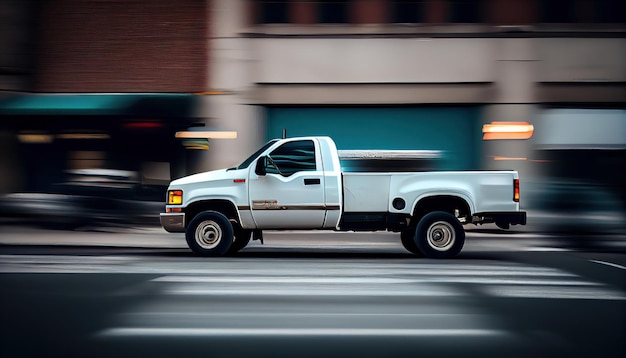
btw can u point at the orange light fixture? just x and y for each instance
(509, 158)
(508, 130)
(206, 135)
(35, 138)
(175, 197)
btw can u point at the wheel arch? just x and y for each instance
(223, 206)
(442, 202)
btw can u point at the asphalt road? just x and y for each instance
(140, 292)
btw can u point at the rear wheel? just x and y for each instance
(439, 235)
(210, 233)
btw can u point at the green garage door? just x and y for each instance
(455, 131)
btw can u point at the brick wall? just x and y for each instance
(123, 46)
(513, 12)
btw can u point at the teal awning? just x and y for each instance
(157, 104)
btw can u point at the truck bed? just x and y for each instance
(372, 192)
(360, 161)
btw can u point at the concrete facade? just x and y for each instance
(510, 66)
(507, 62)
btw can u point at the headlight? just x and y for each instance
(174, 197)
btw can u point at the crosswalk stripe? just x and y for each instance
(551, 292)
(329, 278)
(295, 332)
(304, 290)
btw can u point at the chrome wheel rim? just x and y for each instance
(440, 236)
(208, 234)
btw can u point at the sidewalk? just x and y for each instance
(141, 237)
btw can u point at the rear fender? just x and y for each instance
(457, 204)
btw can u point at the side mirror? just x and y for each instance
(261, 164)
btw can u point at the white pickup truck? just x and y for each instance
(298, 184)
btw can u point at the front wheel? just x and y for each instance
(439, 235)
(210, 233)
(241, 240)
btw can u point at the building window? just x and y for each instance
(333, 12)
(273, 12)
(407, 12)
(466, 11)
(557, 11)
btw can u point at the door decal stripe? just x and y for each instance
(273, 205)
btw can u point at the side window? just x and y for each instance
(292, 157)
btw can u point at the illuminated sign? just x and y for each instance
(35, 138)
(508, 130)
(206, 135)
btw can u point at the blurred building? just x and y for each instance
(383, 74)
(373, 74)
(90, 85)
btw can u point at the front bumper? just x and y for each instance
(173, 222)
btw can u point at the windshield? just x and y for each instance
(251, 158)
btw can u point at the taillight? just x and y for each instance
(516, 190)
(174, 197)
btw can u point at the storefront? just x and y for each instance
(454, 131)
(47, 136)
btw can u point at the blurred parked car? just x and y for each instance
(573, 208)
(89, 197)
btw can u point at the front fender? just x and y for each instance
(222, 205)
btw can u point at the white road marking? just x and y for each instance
(222, 270)
(546, 292)
(609, 264)
(205, 315)
(546, 249)
(329, 277)
(316, 291)
(446, 278)
(296, 332)
(282, 279)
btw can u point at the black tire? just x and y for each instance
(407, 237)
(210, 233)
(241, 239)
(439, 235)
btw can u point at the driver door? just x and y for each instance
(291, 193)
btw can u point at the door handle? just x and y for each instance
(312, 181)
